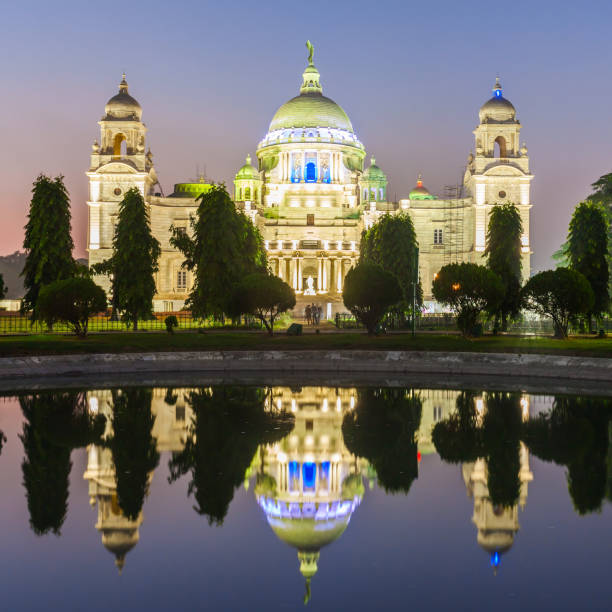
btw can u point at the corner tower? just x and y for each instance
(118, 163)
(499, 172)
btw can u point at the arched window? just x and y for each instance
(247, 193)
(373, 194)
(381, 194)
(119, 145)
(239, 193)
(311, 172)
(255, 194)
(500, 147)
(365, 195)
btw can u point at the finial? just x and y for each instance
(310, 52)
(373, 160)
(123, 86)
(497, 89)
(248, 159)
(420, 180)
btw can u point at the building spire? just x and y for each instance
(123, 86)
(310, 48)
(497, 89)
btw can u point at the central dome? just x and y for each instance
(310, 110)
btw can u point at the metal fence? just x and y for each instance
(448, 322)
(15, 323)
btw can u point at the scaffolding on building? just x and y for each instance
(453, 224)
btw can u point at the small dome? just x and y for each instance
(119, 542)
(122, 106)
(497, 109)
(420, 192)
(248, 171)
(373, 172)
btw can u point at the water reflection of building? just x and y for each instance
(496, 524)
(308, 484)
(172, 414)
(437, 405)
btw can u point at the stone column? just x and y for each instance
(299, 272)
(319, 274)
(293, 273)
(326, 273)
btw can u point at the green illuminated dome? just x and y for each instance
(247, 171)
(420, 192)
(373, 172)
(310, 110)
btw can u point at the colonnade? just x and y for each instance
(330, 271)
(287, 159)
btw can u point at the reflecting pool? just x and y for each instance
(232, 497)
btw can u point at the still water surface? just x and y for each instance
(266, 498)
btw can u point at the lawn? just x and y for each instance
(50, 344)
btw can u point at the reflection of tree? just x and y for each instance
(133, 447)
(382, 429)
(461, 439)
(576, 434)
(56, 423)
(229, 423)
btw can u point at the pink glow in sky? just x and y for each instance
(210, 76)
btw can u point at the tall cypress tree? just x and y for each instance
(587, 249)
(504, 258)
(224, 249)
(48, 243)
(3, 288)
(135, 260)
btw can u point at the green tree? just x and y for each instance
(264, 296)
(560, 294)
(369, 292)
(575, 433)
(134, 261)
(71, 301)
(228, 425)
(392, 244)
(55, 424)
(504, 258)
(602, 195)
(382, 429)
(3, 288)
(461, 439)
(468, 289)
(47, 243)
(133, 447)
(587, 248)
(225, 248)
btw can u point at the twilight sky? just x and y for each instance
(210, 75)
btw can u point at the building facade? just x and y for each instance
(311, 195)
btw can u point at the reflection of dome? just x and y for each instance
(119, 542)
(420, 192)
(248, 171)
(499, 541)
(497, 109)
(122, 105)
(310, 110)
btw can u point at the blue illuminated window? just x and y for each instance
(309, 474)
(324, 475)
(311, 173)
(294, 476)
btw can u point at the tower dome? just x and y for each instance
(497, 109)
(420, 192)
(248, 171)
(122, 106)
(373, 172)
